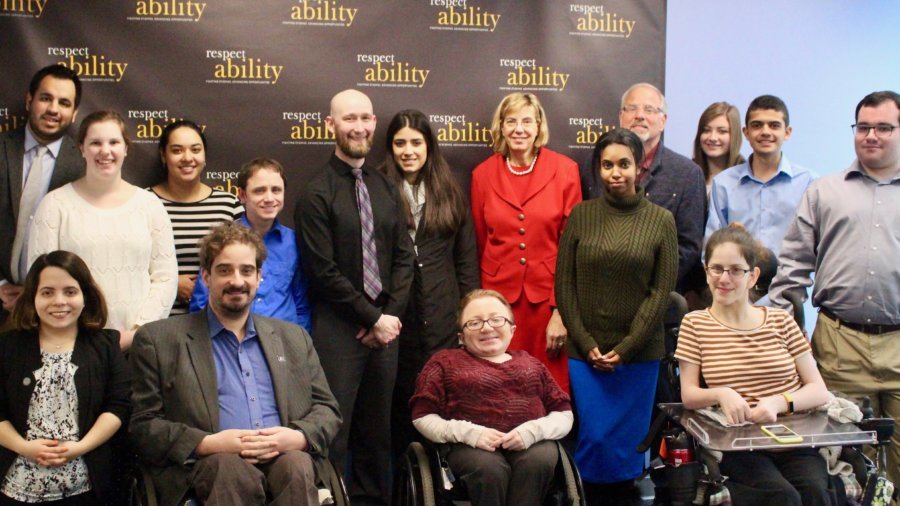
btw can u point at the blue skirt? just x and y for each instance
(614, 412)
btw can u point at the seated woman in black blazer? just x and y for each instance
(64, 390)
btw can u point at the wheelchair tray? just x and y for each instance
(816, 428)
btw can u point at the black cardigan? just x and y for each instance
(446, 269)
(101, 381)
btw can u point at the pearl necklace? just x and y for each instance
(522, 172)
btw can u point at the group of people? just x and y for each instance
(347, 338)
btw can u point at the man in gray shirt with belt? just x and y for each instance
(847, 231)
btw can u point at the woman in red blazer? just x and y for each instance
(521, 198)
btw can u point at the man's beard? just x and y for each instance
(643, 135)
(237, 307)
(44, 135)
(354, 150)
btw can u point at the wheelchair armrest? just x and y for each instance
(144, 489)
(679, 303)
(883, 428)
(656, 426)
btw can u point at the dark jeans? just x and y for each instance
(789, 478)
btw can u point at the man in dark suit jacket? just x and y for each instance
(52, 105)
(231, 405)
(670, 180)
(355, 331)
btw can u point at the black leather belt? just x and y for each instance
(865, 328)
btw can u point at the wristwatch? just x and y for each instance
(790, 403)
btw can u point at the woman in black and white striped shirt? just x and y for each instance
(193, 206)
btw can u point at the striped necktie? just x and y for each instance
(31, 196)
(371, 276)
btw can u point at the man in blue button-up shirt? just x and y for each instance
(232, 405)
(282, 289)
(763, 193)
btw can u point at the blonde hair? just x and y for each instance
(512, 103)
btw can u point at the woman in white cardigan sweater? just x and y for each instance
(121, 231)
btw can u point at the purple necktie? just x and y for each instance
(371, 277)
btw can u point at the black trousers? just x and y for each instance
(789, 478)
(503, 477)
(362, 381)
(85, 499)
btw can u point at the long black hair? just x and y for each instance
(445, 207)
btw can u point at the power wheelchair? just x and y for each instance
(698, 480)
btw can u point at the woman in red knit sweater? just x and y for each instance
(495, 412)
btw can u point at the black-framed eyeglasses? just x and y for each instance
(882, 130)
(734, 272)
(494, 321)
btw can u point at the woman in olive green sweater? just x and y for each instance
(617, 263)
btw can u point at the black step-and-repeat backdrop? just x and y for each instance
(258, 76)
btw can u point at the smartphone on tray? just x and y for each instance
(782, 433)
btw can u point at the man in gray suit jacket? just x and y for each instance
(52, 105)
(231, 405)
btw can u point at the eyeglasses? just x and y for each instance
(514, 123)
(648, 109)
(882, 130)
(734, 272)
(494, 321)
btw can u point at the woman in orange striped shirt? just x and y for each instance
(756, 364)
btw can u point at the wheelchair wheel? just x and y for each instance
(568, 489)
(415, 486)
(143, 493)
(333, 482)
